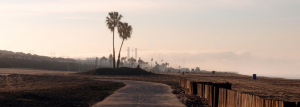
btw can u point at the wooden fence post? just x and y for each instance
(221, 95)
(289, 104)
(220, 98)
(194, 88)
(280, 103)
(199, 90)
(216, 97)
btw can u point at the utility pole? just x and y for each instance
(128, 52)
(132, 53)
(135, 53)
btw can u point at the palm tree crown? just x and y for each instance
(124, 30)
(113, 20)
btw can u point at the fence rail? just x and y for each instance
(221, 95)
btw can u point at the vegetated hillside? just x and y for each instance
(118, 71)
(21, 55)
(7, 62)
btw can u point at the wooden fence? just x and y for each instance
(221, 95)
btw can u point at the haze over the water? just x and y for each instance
(248, 36)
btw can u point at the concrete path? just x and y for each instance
(141, 94)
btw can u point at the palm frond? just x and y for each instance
(124, 30)
(112, 20)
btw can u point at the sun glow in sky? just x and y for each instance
(248, 36)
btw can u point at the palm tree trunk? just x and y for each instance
(114, 59)
(119, 54)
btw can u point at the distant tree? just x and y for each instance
(123, 60)
(112, 22)
(121, 64)
(103, 59)
(156, 67)
(131, 60)
(151, 61)
(141, 62)
(147, 64)
(110, 59)
(165, 65)
(197, 69)
(125, 32)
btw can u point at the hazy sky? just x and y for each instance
(248, 36)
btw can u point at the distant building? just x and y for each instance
(197, 69)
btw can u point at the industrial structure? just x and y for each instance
(128, 53)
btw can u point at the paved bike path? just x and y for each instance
(140, 94)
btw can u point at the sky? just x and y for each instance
(245, 36)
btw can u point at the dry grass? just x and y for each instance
(269, 88)
(53, 90)
(165, 79)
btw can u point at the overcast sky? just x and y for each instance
(247, 36)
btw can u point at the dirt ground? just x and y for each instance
(53, 90)
(33, 87)
(265, 87)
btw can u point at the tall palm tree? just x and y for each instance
(125, 32)
(151, 61)
(112, 22)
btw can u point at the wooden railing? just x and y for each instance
(221, 95)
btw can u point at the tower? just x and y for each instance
(135, 53)
(128, 52)
(132, 53)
